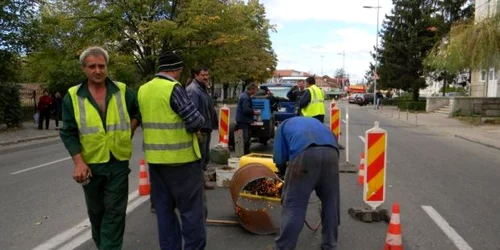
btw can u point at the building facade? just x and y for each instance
(485, 83)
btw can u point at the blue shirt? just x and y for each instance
(296, 134)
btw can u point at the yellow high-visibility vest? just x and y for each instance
(96, 141)
(166, 140)
(317, 104)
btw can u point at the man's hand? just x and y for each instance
(82, 171)
(199, 136)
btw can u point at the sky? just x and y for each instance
(308, 30)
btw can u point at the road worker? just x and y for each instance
(312, 102)
(306, 154)
(170, 125)
(99, 118)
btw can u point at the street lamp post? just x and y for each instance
(322, 66)
(321, 70)
(343, 69)
(375, 75)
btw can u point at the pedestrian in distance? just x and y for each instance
(306, 154)
(245, 115)
(99, 119)
(171, 123)
(312, 102)
(378, 98)
(44, 109)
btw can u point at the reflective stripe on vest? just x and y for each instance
(166, 140)
(123, 125)
(96, 141)
(316, 106)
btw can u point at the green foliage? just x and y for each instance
(412, 105)
(453, 89)
(231, 38)
(406, 39)
(10, 105)
(470, 46)
(390, 102)
(410, 32)
(339, 73)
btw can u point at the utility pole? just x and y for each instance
(343, 69)
(375, 75)
(322, 70)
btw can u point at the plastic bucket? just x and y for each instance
(223, 176)
(233, 162)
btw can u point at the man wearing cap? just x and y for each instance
(170, 124)
(306, 154)
(312, 102)
(197, 90)
(99, 118)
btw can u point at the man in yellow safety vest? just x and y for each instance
(312, 102)
(99, 118)
(171, 124)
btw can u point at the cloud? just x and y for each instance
(350, 11)
(357, 44)
(350, 40)
(343, 25)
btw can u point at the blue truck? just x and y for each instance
(274, 109)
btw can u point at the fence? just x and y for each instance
(29, 100)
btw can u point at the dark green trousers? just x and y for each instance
(106, 196)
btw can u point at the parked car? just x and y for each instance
(352, 98)
(364, 99)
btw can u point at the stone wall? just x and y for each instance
(483, 106)
(434, 103)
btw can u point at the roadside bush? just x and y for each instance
(10, 105)
(390, 102)
(410, 105)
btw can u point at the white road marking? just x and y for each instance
(344, 121)
(81, 233)
(447, 229)
(362, 138)
(40, 166)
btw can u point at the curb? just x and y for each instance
(476, 141)
(5, 143)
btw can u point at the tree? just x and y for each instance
(13, 16)
(231, 37)
(406, 40)
(450, 13)
(469, 45)
(339, 73)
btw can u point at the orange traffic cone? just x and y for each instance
(361, 171)
(394, 240)
(144, 186)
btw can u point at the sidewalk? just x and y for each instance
(487, 135)
(28, 132)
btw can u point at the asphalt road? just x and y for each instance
(447, 190)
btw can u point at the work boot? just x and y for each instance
(209, 185)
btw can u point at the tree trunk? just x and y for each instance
(444, 83)
(416, 94)
(225, 88)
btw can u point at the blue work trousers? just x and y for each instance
(179, 187)
(315, 169)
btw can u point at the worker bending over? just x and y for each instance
(307, 155)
